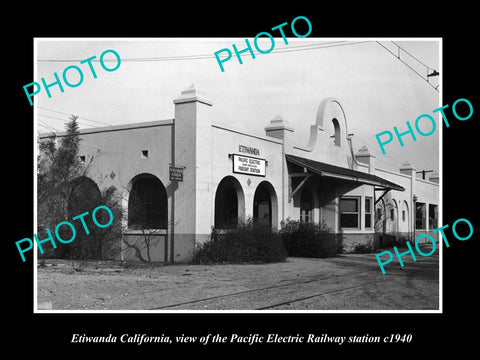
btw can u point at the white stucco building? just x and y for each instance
(228, 175)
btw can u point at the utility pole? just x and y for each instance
(423, 173)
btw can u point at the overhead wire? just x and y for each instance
(46, 126)
(80, 117)
(303, 47)
(411, 68)
(62, 120)
(210, 56)
(414, 57)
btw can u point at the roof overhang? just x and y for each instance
(337, 172)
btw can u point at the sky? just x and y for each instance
(377, 91)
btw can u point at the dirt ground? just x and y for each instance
(347, 282)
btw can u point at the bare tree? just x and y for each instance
(149, 224)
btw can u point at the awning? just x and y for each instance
(338, 172)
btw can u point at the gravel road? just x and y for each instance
(347, 282)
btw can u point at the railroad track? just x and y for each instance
(266, 289)
(288, 302)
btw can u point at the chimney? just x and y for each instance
(407, 169)
(279, 129)
(364, 156)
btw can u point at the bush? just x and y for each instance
(400, 241)
(310, 239)
(361, 248)
(394, 239)
(247, 243)
(100, 243)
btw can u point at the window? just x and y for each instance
(419, 215)
(379, 213)
(336, 134)
(82, 158)
(432, 216)
(349, 213)
(403, 215)
(368, 212)
(144, 154)
(306, 215)
(306, 206)
(392, 214)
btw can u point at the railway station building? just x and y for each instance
(179, 178)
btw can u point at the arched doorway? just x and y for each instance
(147, 203)
(84, 197)
(265, 205)
(229, 203)
(393, 217)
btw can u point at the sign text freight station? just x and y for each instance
(251, 162)
(248, 165)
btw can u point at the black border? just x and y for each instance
(433, 333)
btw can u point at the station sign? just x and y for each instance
(249, 165)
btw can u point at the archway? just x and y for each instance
(405, 219)
(229, 203)
(336, 132)
(393, 216)
(84, 197)
(265, 205)
(147, 203)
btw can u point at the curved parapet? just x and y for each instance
(329, 111)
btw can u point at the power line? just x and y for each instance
(62, 120)
(321, 47)
(304, 47)
(414, 57)
(46, 126)
(415, 71)
(177, 57)
(49, 128)
(80, 117)
(210, 56)
(52, 117)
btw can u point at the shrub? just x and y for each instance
(394, 239)
(310, 239)
(247, 243)
(361, 248)
(100, 243)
